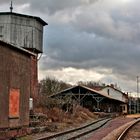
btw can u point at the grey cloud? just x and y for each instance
(53, 6)
(15, 2)
(109, 25)
(99, 36)
(83, 51)
(50, 7)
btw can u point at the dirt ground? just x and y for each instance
(56, 119)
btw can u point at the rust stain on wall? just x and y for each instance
(14, 102)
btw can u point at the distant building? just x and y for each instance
(115, 93)
(134, 105)
(93, 99)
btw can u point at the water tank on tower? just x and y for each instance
(22, 30)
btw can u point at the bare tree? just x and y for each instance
(49, 86)
(91, 84)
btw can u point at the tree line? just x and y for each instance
(50, 85)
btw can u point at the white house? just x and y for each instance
(114, 93)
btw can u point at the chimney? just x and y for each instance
(112, 85)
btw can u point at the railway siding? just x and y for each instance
(131, 132)
(115, 133)
(110, 129)
(71, 132)
(82, 132)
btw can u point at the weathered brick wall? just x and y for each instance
(34, 80)
(14, 74)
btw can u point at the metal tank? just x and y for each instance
(22, 30)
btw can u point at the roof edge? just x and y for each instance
(19, 48)
(18, 14)
(98, 92)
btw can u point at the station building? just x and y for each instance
(95, 100)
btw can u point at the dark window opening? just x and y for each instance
(108, 91)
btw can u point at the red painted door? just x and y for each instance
(14, 103)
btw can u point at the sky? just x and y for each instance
(86, 40)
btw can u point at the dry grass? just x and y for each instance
(65, 119)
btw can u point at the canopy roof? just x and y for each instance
(83, 91)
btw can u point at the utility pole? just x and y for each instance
(129, 97)
(137, 94)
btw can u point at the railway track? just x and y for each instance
(130, 131)
(78, 132)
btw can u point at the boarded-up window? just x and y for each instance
(14, 103)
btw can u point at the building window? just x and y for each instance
(1, 31)
(123, 108)
(108, 91)
(14, 97)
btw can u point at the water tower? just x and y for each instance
(24, 31)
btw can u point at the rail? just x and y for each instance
(124, 132)
(77, 132)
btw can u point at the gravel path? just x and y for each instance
(110, 126)
(86, 129)
(43, 134)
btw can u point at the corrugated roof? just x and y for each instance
(29, 16)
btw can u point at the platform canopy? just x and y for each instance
(78, 93)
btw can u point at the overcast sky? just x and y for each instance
(85, 40)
